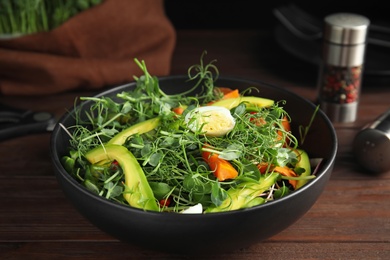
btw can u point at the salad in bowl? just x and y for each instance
(204, 150)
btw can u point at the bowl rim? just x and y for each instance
(327, 166)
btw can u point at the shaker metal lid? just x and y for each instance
(346, 28)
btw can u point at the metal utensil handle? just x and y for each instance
(382, 123)
(36, 123)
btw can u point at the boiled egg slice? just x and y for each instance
(196, 209)
(210, 120)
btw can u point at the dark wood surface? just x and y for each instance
(351, 219)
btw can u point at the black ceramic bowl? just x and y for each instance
(205, 232)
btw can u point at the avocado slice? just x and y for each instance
(246, 194)
(304, 162)
(139, 128)
(230, 103)
(138, 192)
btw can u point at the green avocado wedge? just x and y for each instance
(304, 162)
(139, 128)
(230, 103)
(246, 194)
(138, 192)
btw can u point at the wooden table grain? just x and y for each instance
(351, 219)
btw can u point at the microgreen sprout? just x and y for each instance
(303, 130)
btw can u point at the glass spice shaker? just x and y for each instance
(341, 69)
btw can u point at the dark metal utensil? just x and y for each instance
(372, 144)
(16, 122)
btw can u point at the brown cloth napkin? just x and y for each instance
(92, 50)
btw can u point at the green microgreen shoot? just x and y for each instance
(303, 130)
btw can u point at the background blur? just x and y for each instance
(258, 14)
(285, 50)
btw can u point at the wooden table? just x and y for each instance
(351, 220)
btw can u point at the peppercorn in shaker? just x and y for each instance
(341, 70)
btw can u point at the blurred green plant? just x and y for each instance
(30, 16)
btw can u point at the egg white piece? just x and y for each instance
(196, 209)
(212, 120)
